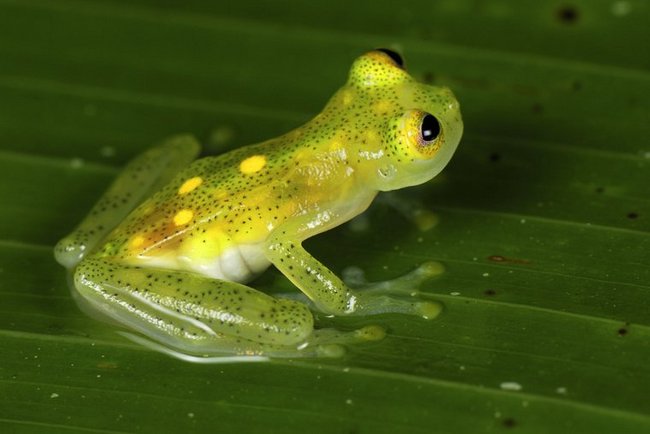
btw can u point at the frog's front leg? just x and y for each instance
(328, 293)
(193, 314)
(144, 175)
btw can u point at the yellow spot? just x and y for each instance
(136, 241)
(252, 164)
(190, 185)
(183, 217)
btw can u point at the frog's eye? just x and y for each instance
(394, 56)
(430, 128)
(424, 133)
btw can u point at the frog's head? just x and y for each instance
(410, 130)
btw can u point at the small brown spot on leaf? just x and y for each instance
(499, 258)
(623, 331)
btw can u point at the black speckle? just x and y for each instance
(509, 422)
(622, 331)
(576, 86)
(537, 108)
(490, 292)
(632, 215)
(600, 190)
(568, 14)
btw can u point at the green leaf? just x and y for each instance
(544, 212)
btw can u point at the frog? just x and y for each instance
(169, 250)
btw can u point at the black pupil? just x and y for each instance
(393, 55)
(430, 128)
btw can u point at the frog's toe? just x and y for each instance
(428, 309)
(371, 333)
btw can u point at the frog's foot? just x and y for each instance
(322, 343)
(413, 210)
(379, 297)
(406, 284)
(332, 342)
(399, 295)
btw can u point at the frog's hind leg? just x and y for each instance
(144, 175)
(192, 314)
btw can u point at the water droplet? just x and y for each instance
(510, 385)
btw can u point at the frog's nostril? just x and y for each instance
(394, 55)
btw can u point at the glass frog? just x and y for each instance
(169, 248)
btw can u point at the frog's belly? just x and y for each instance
(236, 264)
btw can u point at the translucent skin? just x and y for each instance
(167, 249)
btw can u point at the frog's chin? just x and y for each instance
(401, 180)
(392, 177)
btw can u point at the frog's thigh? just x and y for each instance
(144, 175)
(179, 308)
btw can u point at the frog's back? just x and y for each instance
(210, 192)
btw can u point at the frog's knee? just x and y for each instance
(70, 251)
(290, 322)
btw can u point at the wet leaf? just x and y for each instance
(544, 212)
